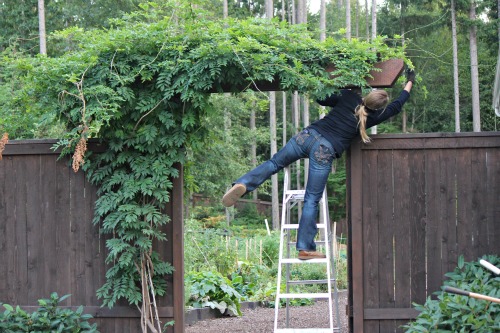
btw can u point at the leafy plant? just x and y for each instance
(49, 317)
(249, 278)
(457, 313)
(211, 289)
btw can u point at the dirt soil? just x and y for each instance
(261, 320)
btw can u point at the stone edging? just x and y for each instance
(194, 315)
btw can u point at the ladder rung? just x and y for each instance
(304, 295)
(311, 281)
(300, 261)
(296, 226)
(307, 330)
(317, 242)
(295, 191)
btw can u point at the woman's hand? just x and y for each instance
(410, 79)
(410, 75)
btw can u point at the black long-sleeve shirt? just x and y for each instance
(340, 125)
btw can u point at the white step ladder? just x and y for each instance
(290, 199)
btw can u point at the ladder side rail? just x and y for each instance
(332, 239)
(283, 220)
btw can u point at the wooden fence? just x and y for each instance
(48, 243)
(416, 203)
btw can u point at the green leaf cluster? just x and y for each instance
(49, 317)
(211, 289)
(457, 313)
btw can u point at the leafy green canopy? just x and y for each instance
(142, 86)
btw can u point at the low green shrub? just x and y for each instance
(47, 318)
(457, 313)
(211, 289)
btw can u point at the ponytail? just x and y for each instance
(362, 114)
(375, 100)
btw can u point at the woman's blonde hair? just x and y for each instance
(375, 100)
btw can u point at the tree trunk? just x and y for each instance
(348, 20)
(274, 146)
(305, 123)
(41, 27)
(322, 21)
(274, 150)
(284, 116)
(301, 11)
(296, 124)
(357, 18)
(455, 66)
(476, 116)
(225, 12)
(302, 19)
(367, 21)
(374, 19)
(254, 146)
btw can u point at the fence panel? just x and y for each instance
(416, 203)
(49, 244)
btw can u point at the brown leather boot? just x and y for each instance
(306, 255)
(233, 194)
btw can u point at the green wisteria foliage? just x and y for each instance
(142, 86)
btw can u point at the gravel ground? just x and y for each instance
(261, 319)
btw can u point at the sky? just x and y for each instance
(314, 5)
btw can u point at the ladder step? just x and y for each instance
(318, 242)
(304, 295)
(300, 261)
(296, 226)
(307, 330)
(295, 191)
(310, 281)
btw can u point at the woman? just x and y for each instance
(322, 142)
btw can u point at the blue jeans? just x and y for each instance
(306, 144)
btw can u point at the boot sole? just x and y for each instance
(233, 195)
(310, 257)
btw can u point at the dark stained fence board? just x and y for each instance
(415, 204)
(402, 228)
(493, 207)
(465, 224)
(370, 237)
(416, 220)
(49, 244)
(447, 195)
(62, 229)
(479, 187)
(433, 220)
(385, 194)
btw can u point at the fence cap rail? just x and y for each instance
(43, 147)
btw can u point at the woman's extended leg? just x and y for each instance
(297, 147)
